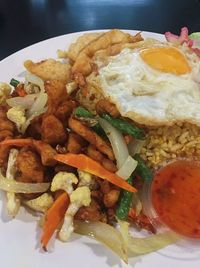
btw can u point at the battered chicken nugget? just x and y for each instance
(83, 61)
(81, 43)
(49, 69)
(53, 131)
(64, 110)
(57, 94)
(46, 152)
(75, 143)
(90, 136)
(29, 167)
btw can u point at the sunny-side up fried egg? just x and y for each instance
(154, 85)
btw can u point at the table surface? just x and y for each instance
(25, 22)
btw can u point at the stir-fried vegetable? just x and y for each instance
(54, 217)
(81, 112)
(22, 187)
(117, 142)
(124, 202)
(142, 170)
(127, 169)
(14, 82)
(26, 101)
(87, 164)
(138, 246)
(105, 234)
(125, 127)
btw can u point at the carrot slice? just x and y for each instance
(17, 142)
(87, 164)
(20, 90)
(54, 217)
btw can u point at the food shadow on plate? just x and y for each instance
(101, 251)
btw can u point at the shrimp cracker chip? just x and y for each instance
(49, 69)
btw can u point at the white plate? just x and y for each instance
(19, 238)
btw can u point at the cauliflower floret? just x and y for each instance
(5, 91)
(41, 203)
(64, 181)
(13, 201)
(85, 178)
(79, 197)
(17, 115)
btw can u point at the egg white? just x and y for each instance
(149, 96)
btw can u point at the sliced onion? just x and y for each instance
(117, 142)
(105, 234)
(21, 187)
(26, 102)
(138, 246)
(38, 106)
(33, 79)
(127, 168)
(135, 146)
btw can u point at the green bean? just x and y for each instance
(124, 202)
(125, 127)
(81, 112)
(142, 170)
(14, 82)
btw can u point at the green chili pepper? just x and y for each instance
(125, 127)
(142, 170)
(124, 202)
(14, 82)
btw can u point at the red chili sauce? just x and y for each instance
(176, 197)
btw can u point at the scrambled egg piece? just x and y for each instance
(41, 203)
(79, 197)
(64, 181)
(17, 115)
(5, 91)
(13, 201)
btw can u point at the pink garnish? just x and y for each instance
(183, 38)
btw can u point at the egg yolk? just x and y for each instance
(166, 59)
(175, 195)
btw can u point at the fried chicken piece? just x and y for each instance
(35, 128)
(53, 131)
(90, 213)
(75, 143)
(4, 153)
(93, 153)
(46, 152)
(7, 129)
(57, 94)
(49, 69)
(99, 157)
(110, 199)
(29, 167)
(64, 110)
(109, 165)
(6, 126)
(91, 137)
(105, 106)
